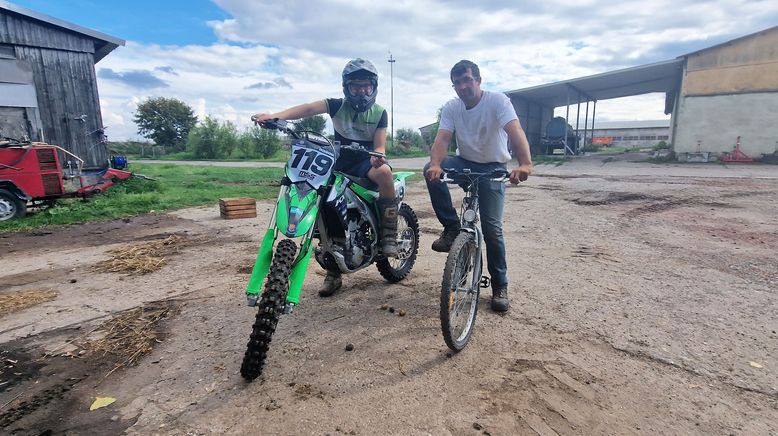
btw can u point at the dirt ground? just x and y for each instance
(639, 305)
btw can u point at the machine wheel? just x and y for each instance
(459, 291)
(397, 268)
(271, 306)
(11, 206)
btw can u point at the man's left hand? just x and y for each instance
(377, 161)
(521, 173)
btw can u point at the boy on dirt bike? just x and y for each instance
(356, 118)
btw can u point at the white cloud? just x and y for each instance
(301, 47)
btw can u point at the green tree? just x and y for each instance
(407, 139)
(212, 139)
(258, 142)
(166, 121)
(316, 123)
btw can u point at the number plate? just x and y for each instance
(310, 163)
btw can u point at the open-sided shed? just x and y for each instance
(718, 96)
(535, 105)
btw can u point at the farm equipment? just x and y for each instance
(559, 135)
(736, 155)
(32, 173)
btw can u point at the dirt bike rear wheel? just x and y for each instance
(459, 291)
(396, 269)
(271, 306)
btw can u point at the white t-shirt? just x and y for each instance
(479, 131)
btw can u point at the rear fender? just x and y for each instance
(399, 183)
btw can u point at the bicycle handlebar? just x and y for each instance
(451, 175)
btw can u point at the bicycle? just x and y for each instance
(462, 279)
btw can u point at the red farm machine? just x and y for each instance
(33, 174)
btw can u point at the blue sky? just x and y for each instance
(166, 22)
(232, 58)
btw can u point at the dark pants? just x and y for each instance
(491, 199)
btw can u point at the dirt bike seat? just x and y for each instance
(362, 181)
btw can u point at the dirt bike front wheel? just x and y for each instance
(271, 306)
(459, 291)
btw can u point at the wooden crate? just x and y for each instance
(234, 208)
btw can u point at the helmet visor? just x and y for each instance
(360, 87)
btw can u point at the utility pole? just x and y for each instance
(391, 91)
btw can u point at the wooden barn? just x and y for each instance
(48, 88)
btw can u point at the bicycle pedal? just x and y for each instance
(485, 282)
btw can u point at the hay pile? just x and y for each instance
(130, 334)
(140, 258)
(15, 301)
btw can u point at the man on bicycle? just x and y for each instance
(483, 123)
(356, 118)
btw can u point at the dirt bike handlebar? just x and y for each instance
(284, 126)
(358, 148)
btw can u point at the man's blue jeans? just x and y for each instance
(491, 199)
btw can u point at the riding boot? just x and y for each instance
(387, 209)
(331, 284)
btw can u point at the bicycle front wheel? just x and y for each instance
(459, 291)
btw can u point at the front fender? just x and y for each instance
(297, 209)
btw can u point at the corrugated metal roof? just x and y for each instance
(108, 43)
(639, 124)
(658, 77)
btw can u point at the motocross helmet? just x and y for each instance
(360, 69)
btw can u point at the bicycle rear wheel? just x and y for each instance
(459, 291)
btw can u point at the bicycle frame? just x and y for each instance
(469, 216)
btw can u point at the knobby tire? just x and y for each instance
(395, 274)
(270, 307)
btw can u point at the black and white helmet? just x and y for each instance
(360, 69)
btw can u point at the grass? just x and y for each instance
(410, 153)
(279, 156)
(175, 187)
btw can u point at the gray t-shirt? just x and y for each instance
(479, 131)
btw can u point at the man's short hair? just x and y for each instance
(461, 68)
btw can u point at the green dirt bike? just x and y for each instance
(317, 202)
(462, 279)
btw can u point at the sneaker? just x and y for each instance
(500, 299)
(331, 285)
(443, 243)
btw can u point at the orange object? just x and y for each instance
(736, 155)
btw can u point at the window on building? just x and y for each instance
(662, 137)
(7, 52)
